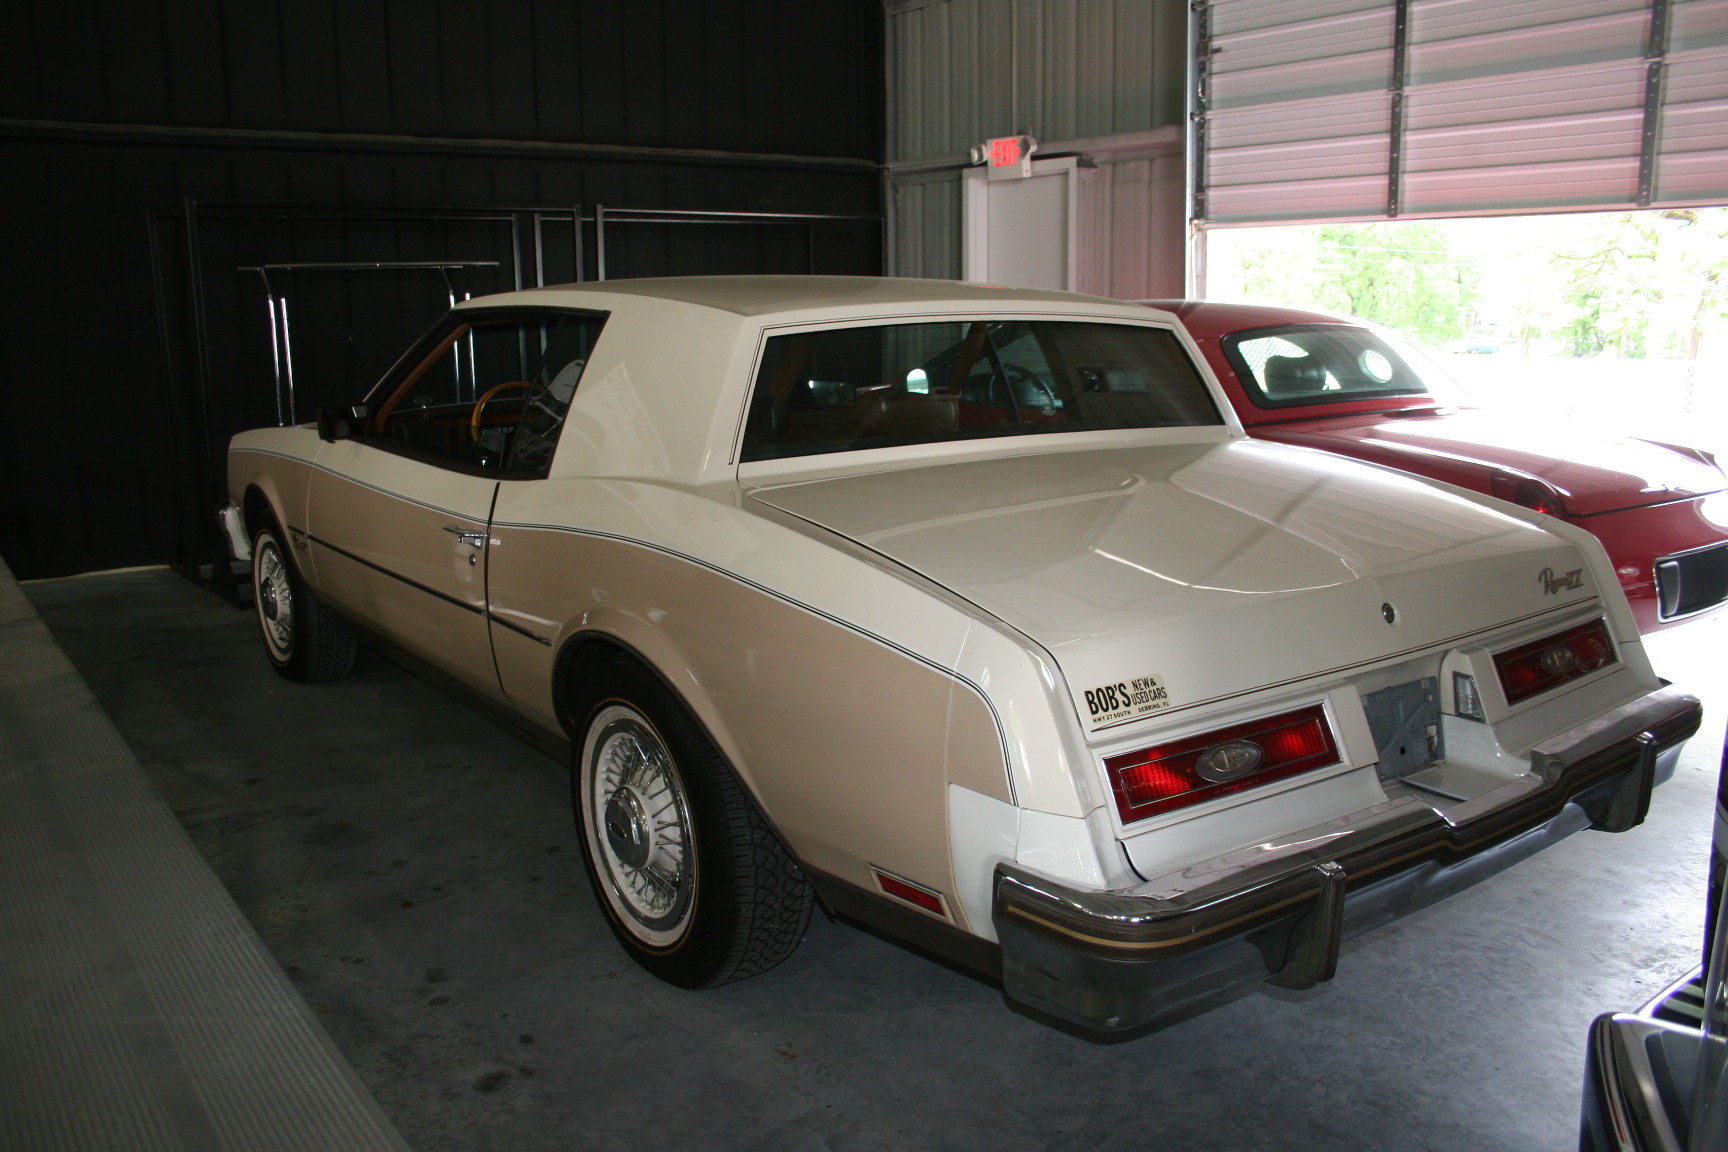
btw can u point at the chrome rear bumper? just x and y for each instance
(1279, 911)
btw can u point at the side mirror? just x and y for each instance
(342, 421)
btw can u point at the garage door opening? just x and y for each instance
(1613, 318)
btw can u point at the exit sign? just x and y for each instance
(1006, 157)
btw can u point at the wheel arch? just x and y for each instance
(581, 655)
(256, 507)
(270, 477)
(585, 651)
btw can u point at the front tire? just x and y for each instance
(693, 882)
(306, 642)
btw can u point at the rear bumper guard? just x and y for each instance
(1280, 911)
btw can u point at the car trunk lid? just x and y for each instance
(1593, 472)
(1213, 568)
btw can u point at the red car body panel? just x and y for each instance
(1644, 501)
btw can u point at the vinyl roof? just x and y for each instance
(762, 295)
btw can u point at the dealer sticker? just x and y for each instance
(1125, 700)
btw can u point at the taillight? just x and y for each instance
(1531, 669)
(1219, 763)
(1528, 491)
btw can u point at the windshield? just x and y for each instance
(894, 384)
(1320, 364)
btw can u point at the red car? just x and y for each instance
(1324, 381)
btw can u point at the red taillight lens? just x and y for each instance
(1531, 669)
(1528, 492)
(1185, 772)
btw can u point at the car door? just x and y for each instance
(398, 516)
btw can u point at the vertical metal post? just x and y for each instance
(1655, 68)
(1200, 104)
(171, 396)
(209, 482)
(1395, 137)
(275, 346)
(516, 251)
(539, 254)
(576, 251)
(287, 358)
(473, 368)
(599, 241)
(1199, 107)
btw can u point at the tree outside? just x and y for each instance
(1647, 284)
(1628, 285)
(1404, 276)
(1615, 317)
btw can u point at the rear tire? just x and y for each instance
(693, 882)
(305, 641)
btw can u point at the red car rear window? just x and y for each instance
(1298, 364)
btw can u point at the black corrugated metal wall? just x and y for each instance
(357, 122)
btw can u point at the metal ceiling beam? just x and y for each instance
(255, 138)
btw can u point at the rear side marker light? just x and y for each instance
(1220, 763)
(1532, 669)
(1530, 492)
(925, 898)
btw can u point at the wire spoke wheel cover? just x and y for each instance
(638, 824)
(305, 640)
(273, 595)
(692, 880)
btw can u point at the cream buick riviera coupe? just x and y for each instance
(967, 611)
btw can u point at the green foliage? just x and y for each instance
(1646, 284)
(1401, 275)
(1625, 284)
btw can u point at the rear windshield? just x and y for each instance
(1318, 364)
(894, 384)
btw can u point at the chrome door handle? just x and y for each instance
(472, 539)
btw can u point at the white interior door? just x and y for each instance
(1021, 232)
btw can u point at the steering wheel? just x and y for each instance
(485, 397)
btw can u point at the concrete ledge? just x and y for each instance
(142, 1011)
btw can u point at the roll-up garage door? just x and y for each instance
(1372, 109)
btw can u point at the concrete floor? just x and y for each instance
(413, 868)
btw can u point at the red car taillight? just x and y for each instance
(1533, 668)
(1530, 492)
(1219, 763)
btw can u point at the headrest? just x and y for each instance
(1293, 376)
(902, 414)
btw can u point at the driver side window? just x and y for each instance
(491, 394)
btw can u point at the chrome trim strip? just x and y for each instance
(543, 641)
(343, 552)
(483, 613)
